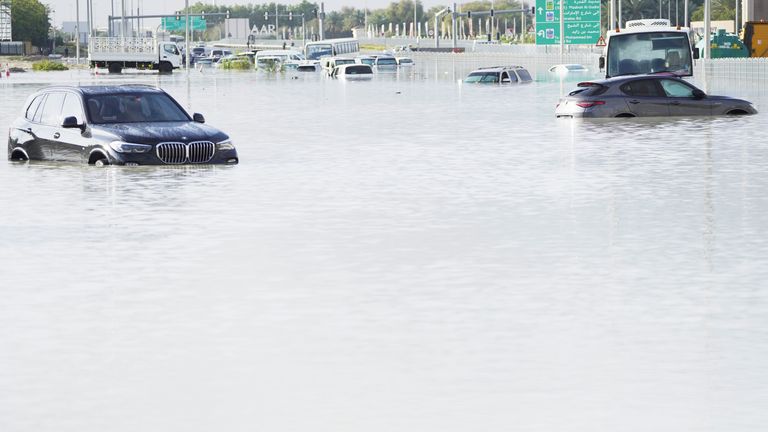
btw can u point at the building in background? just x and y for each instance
(5, 21)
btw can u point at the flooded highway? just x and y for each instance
(407, 253)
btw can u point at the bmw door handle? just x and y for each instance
(634, 101)
(56, 135)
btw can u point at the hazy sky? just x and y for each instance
(65, 9)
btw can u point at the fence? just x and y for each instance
(11, 48)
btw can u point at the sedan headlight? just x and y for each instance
(225, 145)
(124, 147)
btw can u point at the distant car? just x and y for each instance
(499, 75)
(329, 64)
(568, 68)
(385, 62)
(114, 125)
(365, 59)
(197, 52)
(353, 72)
(404, 61)
(646, 96)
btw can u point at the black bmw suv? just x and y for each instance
(122, 125)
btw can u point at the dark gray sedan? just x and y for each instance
(646, 96)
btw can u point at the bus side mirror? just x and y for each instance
(695, 53)
(601, 62)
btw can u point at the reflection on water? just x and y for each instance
(405, 253)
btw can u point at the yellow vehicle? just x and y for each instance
(756, 38)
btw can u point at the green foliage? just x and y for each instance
(47, 65)
(29, 21)
(236, 64)
(721, 10)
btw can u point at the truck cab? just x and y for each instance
(648, 46)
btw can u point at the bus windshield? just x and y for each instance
(641, 53)
(315, 51)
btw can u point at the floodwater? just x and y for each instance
(404, 254)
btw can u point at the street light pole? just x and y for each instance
(77, 31)
(186, 36)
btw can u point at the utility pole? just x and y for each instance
(320, 20)
(186, 36)
(77, 31)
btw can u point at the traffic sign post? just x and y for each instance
(581, 24)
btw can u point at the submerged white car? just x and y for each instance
(353, 72)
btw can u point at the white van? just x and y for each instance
(331, 63)
(288, 58)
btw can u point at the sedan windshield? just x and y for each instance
(133, 108)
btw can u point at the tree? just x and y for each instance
(721, 10)
(29, 20)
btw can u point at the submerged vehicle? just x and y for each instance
(646, 96)
(648, 46)
(499, 75)
(353, 72)
(114, 125)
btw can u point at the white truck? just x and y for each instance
(116, 53)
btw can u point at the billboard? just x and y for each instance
(5, 21)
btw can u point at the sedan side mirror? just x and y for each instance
(198, 118)
(71, 123)
(698, 94)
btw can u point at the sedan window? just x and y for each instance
(52, 109)
(642, 88)
(677, 89)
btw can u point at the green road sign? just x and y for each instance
(173, 24)
(582, 22)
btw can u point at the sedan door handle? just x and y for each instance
(675, 103)
(634, 101)
(56, 135)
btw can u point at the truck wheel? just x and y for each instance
(115, 68)
(165, 68)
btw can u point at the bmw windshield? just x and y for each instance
(652, 52)
(133, 108)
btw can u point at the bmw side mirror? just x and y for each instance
(601, 63)
(696, 54)
(71, 123)
(198, 118)
(698, 94)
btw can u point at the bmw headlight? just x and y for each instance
(225, 145)
(124, 147)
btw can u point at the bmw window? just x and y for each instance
(52, 108)
(30, 114)
(72, 108)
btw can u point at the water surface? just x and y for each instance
(403, 254)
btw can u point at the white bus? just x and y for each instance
(332, 47)
(649, 46)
